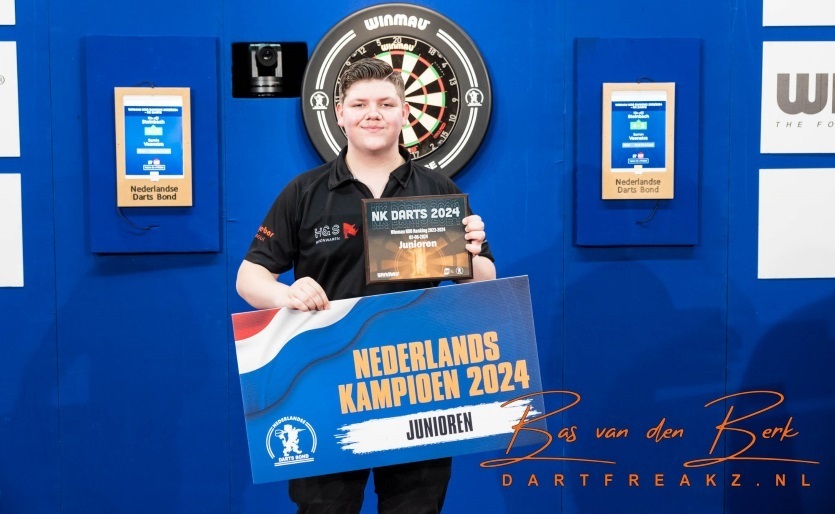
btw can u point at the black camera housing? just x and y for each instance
(268, 69)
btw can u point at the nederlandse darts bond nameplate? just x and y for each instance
(416, 238)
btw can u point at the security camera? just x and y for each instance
(266, 69)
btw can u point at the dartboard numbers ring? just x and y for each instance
(447, 85)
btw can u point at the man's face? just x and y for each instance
(372, 115)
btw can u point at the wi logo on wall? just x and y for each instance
(798, 97)
(804, 101)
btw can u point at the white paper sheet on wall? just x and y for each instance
(798, 13)
(9, 120)
(797, 216)
(7, 12)
(797, 115)
(11, 231)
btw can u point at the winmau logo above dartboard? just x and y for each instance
(447, 86)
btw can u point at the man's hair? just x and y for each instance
(371, 68)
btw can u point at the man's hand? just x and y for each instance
(261, 290)
(483, 268)
(474, 233)
(307, 295)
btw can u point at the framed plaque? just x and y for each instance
(638, 140)
(416, 238)
(153, 146)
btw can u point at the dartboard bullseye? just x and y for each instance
(447, 86)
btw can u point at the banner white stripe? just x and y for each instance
(487, 419)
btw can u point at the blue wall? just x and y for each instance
(118, 382)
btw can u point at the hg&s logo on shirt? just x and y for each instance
(330, 233)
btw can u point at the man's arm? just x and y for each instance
(261, 290)
(483, 269)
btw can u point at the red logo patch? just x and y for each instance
(349, 230)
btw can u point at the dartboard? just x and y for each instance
(447, 85)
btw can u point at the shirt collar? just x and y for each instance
(339, 172)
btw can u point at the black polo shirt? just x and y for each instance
(315, 226)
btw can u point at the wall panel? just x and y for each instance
(780, 332)
(29, 420)
(142, 349)
(645, 327)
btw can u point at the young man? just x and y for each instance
(306, 230)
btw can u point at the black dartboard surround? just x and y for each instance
(447, 85)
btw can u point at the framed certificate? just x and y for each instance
(153, 146)
(638, 136)
(416, 238)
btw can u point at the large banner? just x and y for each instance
(389, 379)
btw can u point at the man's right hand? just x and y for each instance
(307, 295)
(261, 290)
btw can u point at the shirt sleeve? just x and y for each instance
(276, 243)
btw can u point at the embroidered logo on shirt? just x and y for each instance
(326, 234)
(349, 230)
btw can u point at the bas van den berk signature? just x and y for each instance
(740, 424)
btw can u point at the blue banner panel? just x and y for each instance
(144, 61)
(602, 222)
(389, 379)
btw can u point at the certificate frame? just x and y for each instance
(416, 239)
(638, 143)
(153, 146)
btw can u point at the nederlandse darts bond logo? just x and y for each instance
(291, 440)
